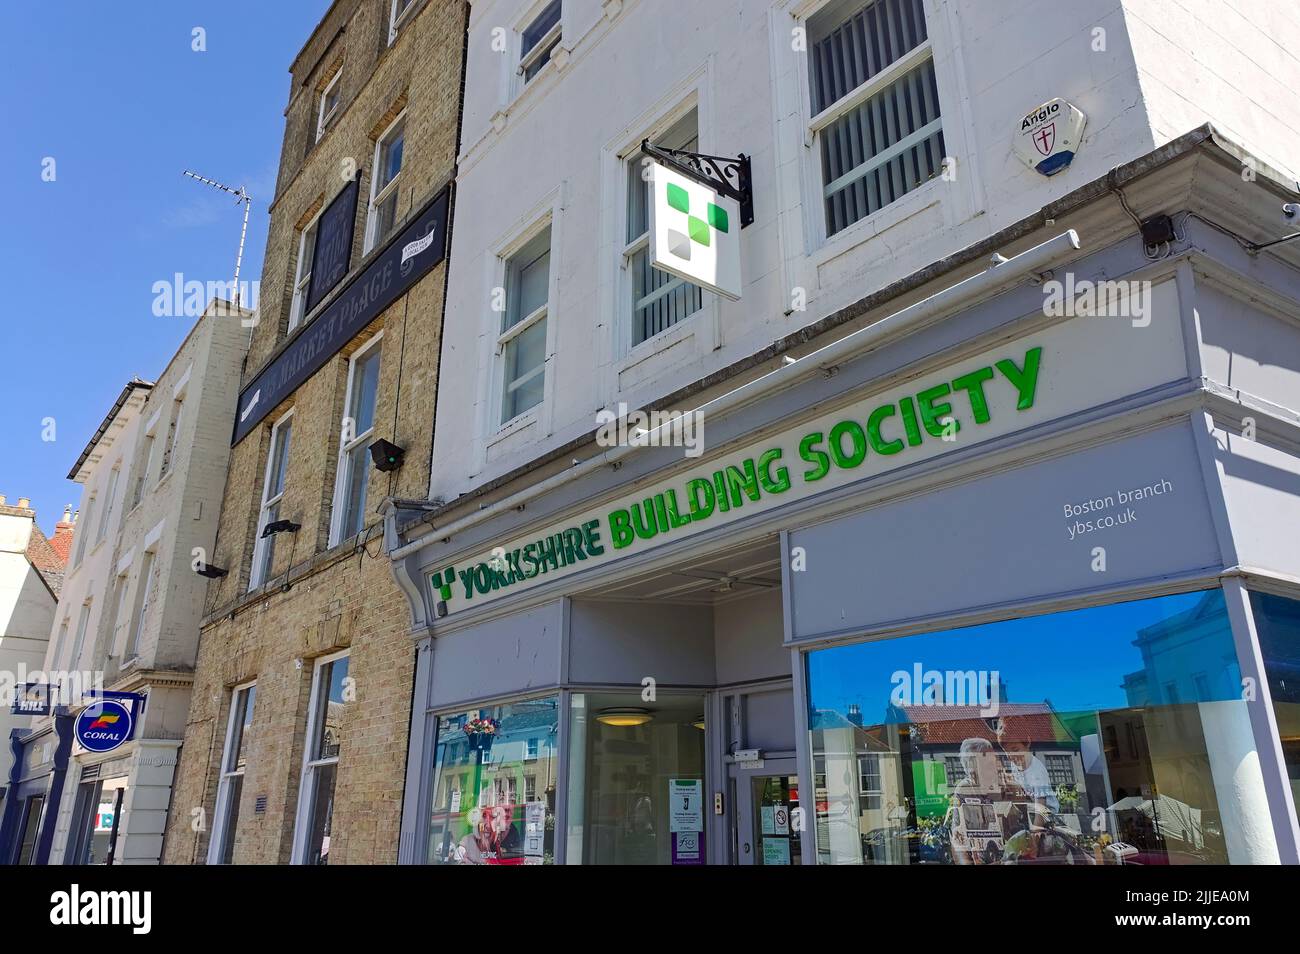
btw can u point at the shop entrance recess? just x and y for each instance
(768, 822)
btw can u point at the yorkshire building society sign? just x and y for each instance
(999, 392)
(1049, 136)
(694, 232)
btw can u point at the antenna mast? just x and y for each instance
(241, 196)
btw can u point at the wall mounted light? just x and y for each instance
(210, 571)
(386, 455)
(281, 526)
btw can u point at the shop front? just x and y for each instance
(982, 583)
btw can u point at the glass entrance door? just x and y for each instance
(768, 825)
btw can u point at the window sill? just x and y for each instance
(647, 350)
(878, 222)
(515, 425)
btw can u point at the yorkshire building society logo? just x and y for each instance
(695, 232)
(103, 726)
(1049, 136)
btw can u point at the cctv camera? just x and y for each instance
(1291, 210)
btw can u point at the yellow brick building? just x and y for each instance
(295, 746)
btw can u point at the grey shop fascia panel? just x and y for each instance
(1009, 315)
(1004, 538)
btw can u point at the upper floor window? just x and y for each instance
(302, 277)
(330, 98)
(83, 622)
(352, 479)
(659, 300)
(110, 497)
(538, 39)
(83, 531)
(522, 342)
(384, 183)
(141, 481)
(144, 588)
(173, 438)
(277, 461)
(397, 17)
(875, 105)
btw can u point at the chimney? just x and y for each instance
(25, 503)
(67, 514)
(855, 714)
(3, 500)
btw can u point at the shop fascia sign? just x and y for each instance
(1049, 136)
(888, 431)
(1066, 367)
(698, 205)
(108, 722)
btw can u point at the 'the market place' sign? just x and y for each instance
(403, 262)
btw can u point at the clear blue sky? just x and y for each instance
(115, 94)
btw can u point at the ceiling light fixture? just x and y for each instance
(624, 717)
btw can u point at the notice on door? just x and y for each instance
(686, 820)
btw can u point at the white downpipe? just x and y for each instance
(1001, 274)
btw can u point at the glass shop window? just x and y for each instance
(636, 780)
(1277, 621)
(494, 784)
(1107, 735)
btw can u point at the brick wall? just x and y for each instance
(343, 597)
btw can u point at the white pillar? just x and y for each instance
(1239, 784)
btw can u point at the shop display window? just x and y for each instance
(1277, 621)
(1109, 735)
(636, 779)
(494, 785)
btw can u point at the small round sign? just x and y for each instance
(103, 726)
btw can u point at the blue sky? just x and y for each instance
(82, 252)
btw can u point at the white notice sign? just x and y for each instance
(685, 804)
(694, 232)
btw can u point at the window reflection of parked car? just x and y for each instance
(919, 845)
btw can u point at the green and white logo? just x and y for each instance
(694, 232)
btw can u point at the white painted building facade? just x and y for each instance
(552, 153)
(129, 614)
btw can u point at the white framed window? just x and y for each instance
(384, 182)
(110, 497)
(352, 478)
(230, 783)
(142, 480)
(874, 105)
(277, 459)
(658, 300)
(84, 523)
(302, 275)
(59, 643)
(330, 98)
(144, 588)
(118, 609)
(521, 343)
(538, 39)
(83, 621)
(171, 444)
(397, 15)
(330, 687)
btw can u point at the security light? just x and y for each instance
(210, 571)
(386, 455)
(281, 526)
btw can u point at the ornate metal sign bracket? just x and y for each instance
(728, 176)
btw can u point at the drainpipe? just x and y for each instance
(1002, 273)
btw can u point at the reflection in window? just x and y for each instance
(1100, 736)
(494, 785)
(1277, 620)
